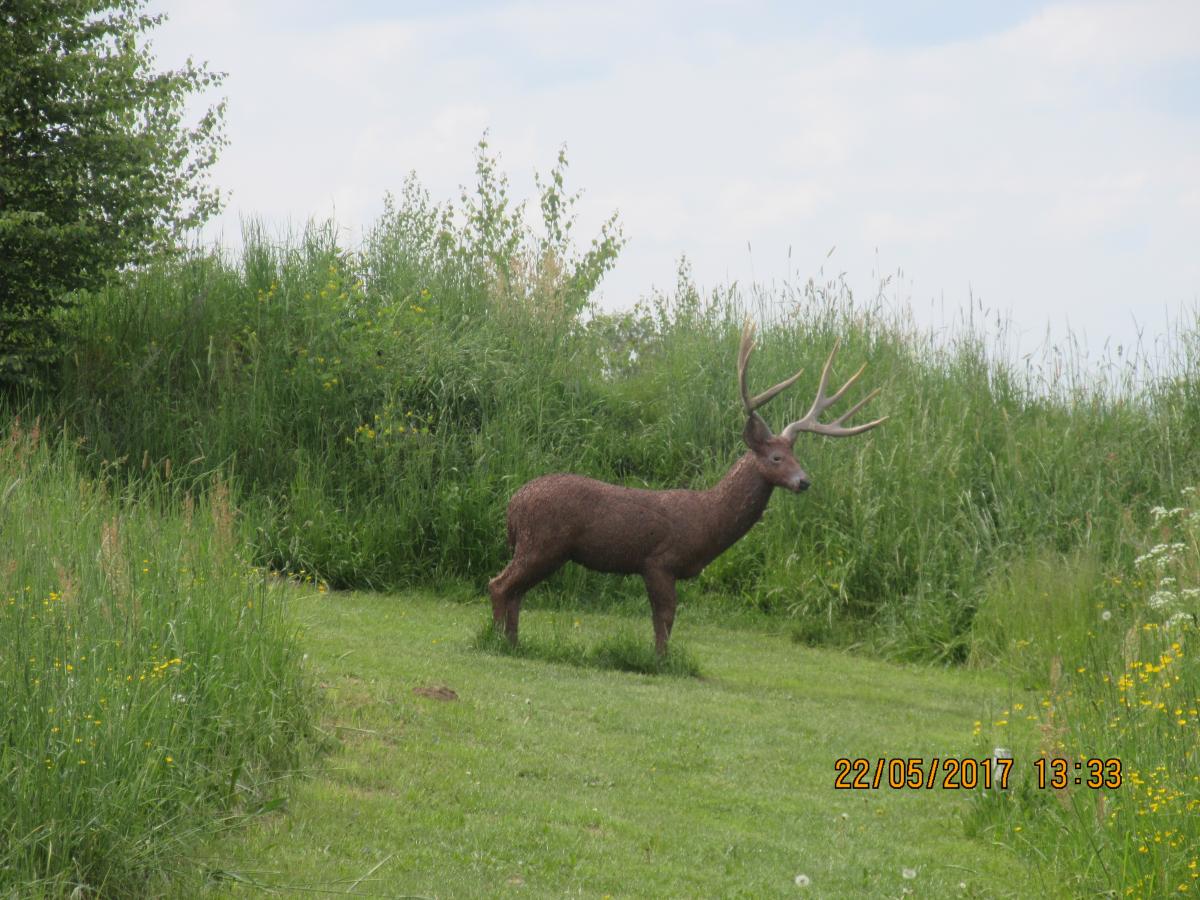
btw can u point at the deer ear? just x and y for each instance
(756, 433)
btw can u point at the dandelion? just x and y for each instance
(908, 874)
(803, 880)
(1106, 615)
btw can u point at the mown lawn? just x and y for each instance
(546, 779)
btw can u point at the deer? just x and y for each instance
(661, 535)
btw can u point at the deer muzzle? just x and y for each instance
(799, 482)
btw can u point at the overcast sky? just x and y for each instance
(1043, 157)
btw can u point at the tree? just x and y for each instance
(97, 167)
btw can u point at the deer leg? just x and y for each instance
(509, 587)
(499, 600)
(512, 615)
(661, 588)
(506, 600)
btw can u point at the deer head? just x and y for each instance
(774, 454)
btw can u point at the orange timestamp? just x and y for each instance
(967, 773)
(1090, 772)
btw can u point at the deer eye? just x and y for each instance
(776, 457)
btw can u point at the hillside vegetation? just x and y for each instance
(374, 407)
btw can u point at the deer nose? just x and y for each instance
(801, 484)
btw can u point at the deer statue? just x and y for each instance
(661, 535)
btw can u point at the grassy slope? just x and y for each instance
(553, 780)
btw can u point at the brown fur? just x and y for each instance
(661, 535)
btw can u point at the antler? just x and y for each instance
(822, 403)
(744, 350)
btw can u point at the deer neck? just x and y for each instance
(738, 500)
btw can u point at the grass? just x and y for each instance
(152, 686)
(1130, 692)
(371, 409)
(376, 406)
(551, 779)
(623, 651)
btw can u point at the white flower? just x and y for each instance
(1180, 618)
(908, 874)
(1159, 513)
(1150, 555)
(803, 880)
(1190, 593)
(1106, 615)
(1160, 554)
(1161, 599)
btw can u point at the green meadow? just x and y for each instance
(553, 779)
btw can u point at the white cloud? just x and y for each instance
(1111, 34)
(1051, 167)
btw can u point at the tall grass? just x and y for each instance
(152, 687)
(376, 406)
(1127, 689)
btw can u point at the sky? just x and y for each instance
(1039, 160)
